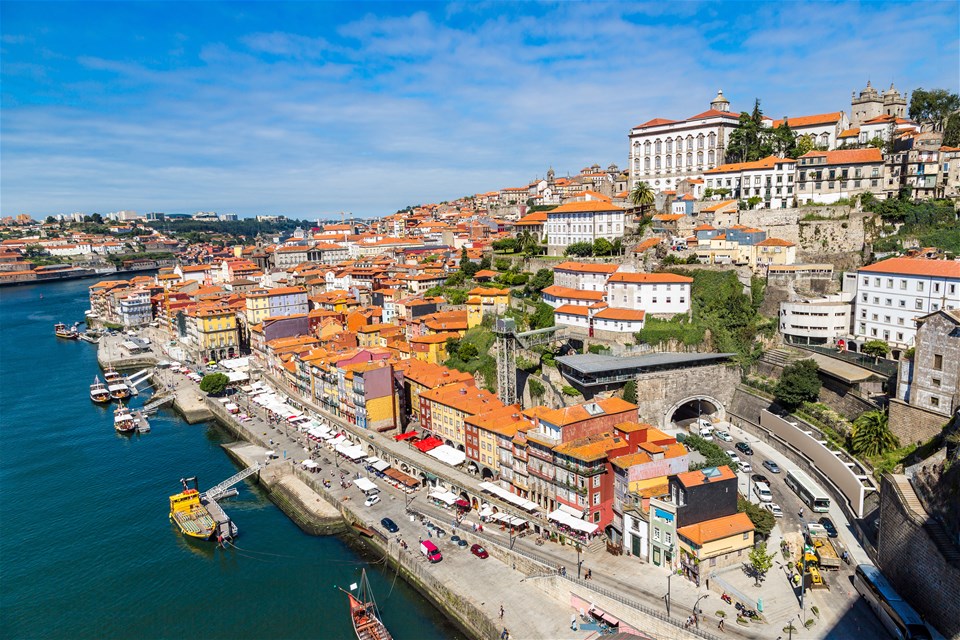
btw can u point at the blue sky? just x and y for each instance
(311, 108)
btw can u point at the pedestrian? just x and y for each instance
(501, 612)
(720, 626)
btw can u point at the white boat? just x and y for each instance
(123, 420)
(99, 392)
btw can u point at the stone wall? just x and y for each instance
(843, 233)
(913, 562)
(914, 424)
(657, 393)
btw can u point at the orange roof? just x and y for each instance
(614, 313)
(432, 375)
(714, 113)
(577, 413)
(647, 244)
(850, 133)
(656, 122)
(586, 205)
(716, 529)
(590, 448)
(766, 163)
(586, 267)
(535, 218)
(916, 267)
(775, 242)
(573, 294)
(704, 227)
(847, 156)
(696, 478)
(504, 421)
(668, 217)
(719, 205)
(645, 278)
(488, 291)
(573, 310)
(807, 121)
(469, 400)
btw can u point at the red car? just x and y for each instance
(479, 551)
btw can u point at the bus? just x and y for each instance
(896, 615)
(810, 493)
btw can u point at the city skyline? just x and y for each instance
(310, 109)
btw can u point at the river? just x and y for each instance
(86, 547)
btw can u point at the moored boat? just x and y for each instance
(189, 513)
(99, 392)
(119, 391)
(364, 614)
(123, 420)
(61, 331)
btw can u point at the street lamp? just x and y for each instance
(667, 596)
(696, 615)
(579, 562)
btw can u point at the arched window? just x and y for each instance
(658, 163)
(699, 158)
(824, 139)
(646, 164)
(700, 141)
(711, 157)
(689, 160)
(689, 143)
(646, 148)
(669, 146)
(669, 162)
(657, 146)
(712, 140)
(679, 157)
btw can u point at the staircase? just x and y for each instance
(781, 356)
(156, 403)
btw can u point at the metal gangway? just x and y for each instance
(139, 377)
(156, 403)
(215, 492)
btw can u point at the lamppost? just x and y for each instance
(696, 613)
(667, 596)
(576, 545)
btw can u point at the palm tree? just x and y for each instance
(871, 434)
(526, 242)
(642, 196)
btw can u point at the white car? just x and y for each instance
(773, 508)
(372, 500)
(735, 458)
(723, 435)
(746, 467)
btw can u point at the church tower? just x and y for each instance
(720, 103)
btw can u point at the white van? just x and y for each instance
(762, 490)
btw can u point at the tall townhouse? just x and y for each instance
(583, 275)
(823, 177)
(771, 179)
(584, 221)
(489, 442)
(443, 411)
(666, 294)
(893, 293)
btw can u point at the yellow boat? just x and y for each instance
(190, 514)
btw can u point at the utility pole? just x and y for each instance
(696, 615)
(667, 597)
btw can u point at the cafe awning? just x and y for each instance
(444, 496)
(447, 454)
(562, 517)
(405, 436)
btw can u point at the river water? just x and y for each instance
(86, 546)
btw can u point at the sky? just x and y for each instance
(309, 109)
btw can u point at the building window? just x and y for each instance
(918, 304)
(903, 284)
(934, 401)
(936, 382)
(920, 286)
(937, 362)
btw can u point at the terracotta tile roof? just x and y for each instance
(649, 243)
(668, 217)
(656, 122)
(577, 413)
(488, 291)
(461, 397)
(505, 421)
(916, 267)
(590, 448)
(650, 278)
(697, 478)
(615, 313)
(719, 205)
(586, 205)
(586, 267)
(806, 121)
(573, 310)
(714, 113)
(766, 163)
(716, 529)
(573, 294)
(775, 242)
(847, 156)
(704, 227)
(485, 273)
(850, 133)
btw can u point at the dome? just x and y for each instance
(720, 97)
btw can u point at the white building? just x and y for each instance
(819, 321)
(583, 275)
(135, 309)
(617, 320)
(822, 129)
(557, 296)
(583, 222)
(893, 293)
(665, 152)
(823, 177)
(656, 293)
(771, 179)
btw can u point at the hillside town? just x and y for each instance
(607, 347)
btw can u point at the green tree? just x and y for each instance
(96, 218)
(214, 383)
(798, 383)
(467, 266)
(456, 279)
(602, 247)
(877, 142)
(763, 521)
(876, 348)
(804, 145)
(542, 317)
(748, 142)
(871, 434)
(642, 196)
(542, 279)
(951, 131)
(753, 201)
(536, 388)
(467, 351)
(527, 243)
(783, 141)
(507, 245)
(933, 107)
(760, 561)
(630, 391)
(484, 263)
(50, 220)
(579, 249)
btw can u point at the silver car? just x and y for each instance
(723, 435)
(773, 508)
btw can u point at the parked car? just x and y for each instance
(759, 478)
(746, 467)
(735, 458)
(479, 551)
(773, 508)
(744, 448)
(372, 500)
(723, 435)
(827, 524)
(771, 466)
(390, 525)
